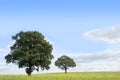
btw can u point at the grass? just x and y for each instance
(68, 76)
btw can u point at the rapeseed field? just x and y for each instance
(68, 76)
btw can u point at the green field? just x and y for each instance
(68, 76)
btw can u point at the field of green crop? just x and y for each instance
(68, 76)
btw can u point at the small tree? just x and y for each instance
(64, 62)
(31, 51)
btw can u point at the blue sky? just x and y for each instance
(63, 22)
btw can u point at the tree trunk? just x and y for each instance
(29, 71)
(29, 74)
(65, 70)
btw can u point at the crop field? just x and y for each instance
(68, 76)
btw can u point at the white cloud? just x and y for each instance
(3, 52)
(107, 60)
(10, 69)
(111, 35)
(3, 68)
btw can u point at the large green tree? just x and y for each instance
(30, 51)
(64, 62)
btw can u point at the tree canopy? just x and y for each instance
(64, 62)
(30, 51)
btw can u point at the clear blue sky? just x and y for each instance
(63, 22)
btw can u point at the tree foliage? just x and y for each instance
(30, 51)
(64, 62)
